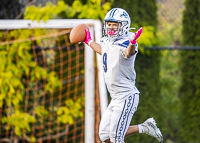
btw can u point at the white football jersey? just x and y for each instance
(119, 71)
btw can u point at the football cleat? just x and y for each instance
(153, 130)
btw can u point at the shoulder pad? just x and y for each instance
(104, 39)
(122, 41)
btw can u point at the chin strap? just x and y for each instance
(136, 35)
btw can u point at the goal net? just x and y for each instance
(50, 88)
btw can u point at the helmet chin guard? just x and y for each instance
(120, 16)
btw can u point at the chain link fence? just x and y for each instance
(170, 21)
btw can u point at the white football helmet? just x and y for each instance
(117, 15)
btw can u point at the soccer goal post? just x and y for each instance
(95, 28)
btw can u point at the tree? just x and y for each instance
(9, 9)
(189, 91)
(91, 10)
(191, 15)
(142, 13)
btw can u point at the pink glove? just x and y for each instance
(88, 38)
(136, 35)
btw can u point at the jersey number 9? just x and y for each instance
(105, 62)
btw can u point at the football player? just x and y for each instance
(119, 48)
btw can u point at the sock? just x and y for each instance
(145, 129)
(141, 129)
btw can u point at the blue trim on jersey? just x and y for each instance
(126, 43)
(123, 44)
(121, 38)
(118, 39)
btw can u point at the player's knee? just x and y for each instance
(112, 136)
(115, 138)
(103, 136)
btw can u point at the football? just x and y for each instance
(78, 33)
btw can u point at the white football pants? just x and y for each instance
(117, 118)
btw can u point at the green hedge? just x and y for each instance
(190, 96)
(191, 22)
(190, 75)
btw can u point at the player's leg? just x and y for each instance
(132, 130)
(121, 118)
(104, 127)
(149, 127)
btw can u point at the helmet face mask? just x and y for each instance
(119, 16)
(112, 31)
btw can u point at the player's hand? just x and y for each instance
(88, 38)
(136, 35)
